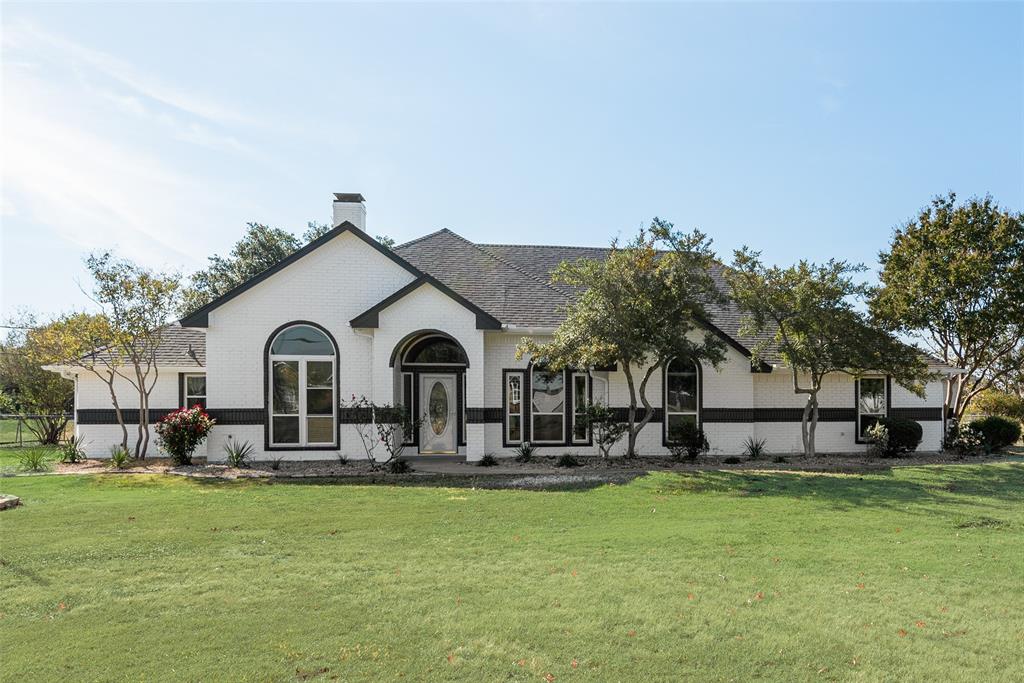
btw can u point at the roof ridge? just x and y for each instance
(543, 246)
(510, 265)
(421, 238)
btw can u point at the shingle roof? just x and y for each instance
(510, 282)
(504, 289)
(179, 347)
(541, 260)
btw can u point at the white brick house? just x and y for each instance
(433, 325)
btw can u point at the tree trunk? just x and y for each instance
(634, 428)
(631, 413)
(117, 410)
(809, 423)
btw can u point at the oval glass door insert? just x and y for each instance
(438, 408)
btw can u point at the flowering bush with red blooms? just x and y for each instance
(181, 432)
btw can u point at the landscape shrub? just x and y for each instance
(904, 435)
(238, 453)
(965, 440)
(181, 432)
(893, 436)
(754, 448)
(34, 460)
(732, 460)
(487, 461)
(397, 466)
(779, 459)
(567, 460)
(688, 441)
(72, 450)
(275, 464)
(877, 436)
(525, 452)
(120, 458)
(997, 431)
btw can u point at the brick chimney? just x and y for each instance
(351, 207)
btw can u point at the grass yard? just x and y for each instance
(914, 574)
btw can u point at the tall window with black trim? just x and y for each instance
(513, 407)
(682, 397)
(547, 406)
(302, 398)
(872, 402)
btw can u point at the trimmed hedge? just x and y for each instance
(904, 435)
(999, 432)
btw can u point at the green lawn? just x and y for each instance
(916, 574)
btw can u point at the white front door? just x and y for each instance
(439, 412)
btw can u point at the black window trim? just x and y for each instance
(664, 400)
(267, 446)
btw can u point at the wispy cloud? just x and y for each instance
(87, 142)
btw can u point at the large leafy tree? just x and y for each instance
(42, 397)
(639, 308)
(807, 316)
(953, 278)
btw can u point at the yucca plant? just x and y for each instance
(754, 448)
(238, 453)
(34, 460)
(120, 458)
(72, 450)
(525, 452)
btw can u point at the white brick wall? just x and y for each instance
(343, 278)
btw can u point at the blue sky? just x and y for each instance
(804, 130)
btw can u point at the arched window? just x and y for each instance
(682, 397)
(302, 388)
(435, 351)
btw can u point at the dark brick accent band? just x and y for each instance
(477, 416)
(238, 416)
(919, 414)
(108, 416)
(732, 415)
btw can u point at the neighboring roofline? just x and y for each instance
(201, 317)
(371, 316)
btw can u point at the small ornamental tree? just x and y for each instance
(605, 428)
(383, 426)
(806, 311)
(640, 307)
(181, 432)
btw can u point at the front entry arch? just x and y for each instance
(430, 383)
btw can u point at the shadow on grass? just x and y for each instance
(963, 484)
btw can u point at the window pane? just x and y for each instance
(548, 392)
(548, 428)
(682, 393)
(434, 351)
(319, 402)
(319, 374)
(872, 395)
(302, 340)
(676, 423)
(286, 430)
(515, 428)
(320, 429)
(514, 394)
(286, 387)
(195, 385)
(579, 392)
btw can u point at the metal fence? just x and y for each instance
(14, 429)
